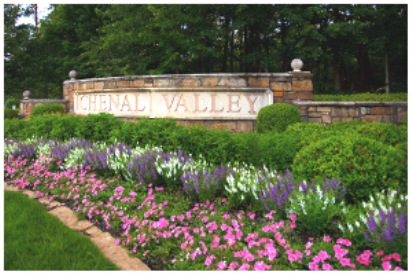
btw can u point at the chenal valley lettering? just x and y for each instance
(173, 103)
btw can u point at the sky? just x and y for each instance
(43, 12)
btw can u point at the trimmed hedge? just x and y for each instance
(277, 116)
(362, 164)
(48, 108)
(274, 149)
(362, 97)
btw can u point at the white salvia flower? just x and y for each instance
(350, 227)
(363, 219)
(357, 224)
(341, 227)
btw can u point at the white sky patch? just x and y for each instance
(43, 11)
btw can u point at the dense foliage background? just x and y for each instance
(346, 47)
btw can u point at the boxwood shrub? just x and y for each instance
(48, 108)
(362, 164)
(277, 116)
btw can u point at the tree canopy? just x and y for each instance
(346, 47)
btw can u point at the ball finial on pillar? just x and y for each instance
(72, 75)
(296, 64)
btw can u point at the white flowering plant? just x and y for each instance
(316, 210)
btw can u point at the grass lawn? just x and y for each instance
(36, 240)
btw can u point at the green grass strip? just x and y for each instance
(362, 97)
(36, 240)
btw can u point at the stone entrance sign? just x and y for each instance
(192, 103)
(228, 100)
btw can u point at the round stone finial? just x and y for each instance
(296, 64)
(72, 74)
(26, 94)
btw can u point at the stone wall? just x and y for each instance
(235, 90)
(27, 105)
(329, 112)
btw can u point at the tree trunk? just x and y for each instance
(387, 90)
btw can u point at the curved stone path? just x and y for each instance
(103, 240)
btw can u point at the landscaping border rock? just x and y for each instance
(103, 240)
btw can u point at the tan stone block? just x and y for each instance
(382, 111)
(161, 83)
(123, 84)
(336, 112)
(314, 114)
(354, 112)
(148, 83)
(281, 86)
(302, 85)
(83, 86)
(90, 85)
(99, 85)
(278, 94)
(307, 95)
(232, 82)
(245, 126)
(311, 109)
(110, 84)
(371, 118)
(336, 119)
(324, 109)
(210, 82)
(348, 119)
(314, 119)
(29, 193)
(258, 82)
(278, 99)
(291, 96)
(326, 119)
(137, 83)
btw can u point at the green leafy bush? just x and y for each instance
(10, 113)
(48, 108)
(362, 164)
(277, 116)
(9, 102)
(97, 127)
(384, 132)
(15, 128)
(316, 211)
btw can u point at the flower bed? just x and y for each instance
(179, 213)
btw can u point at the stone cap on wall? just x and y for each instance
(286, 75)
(350, 103)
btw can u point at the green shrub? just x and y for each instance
(277, 116)
(97, 127)
(9, 102)
(48, 108)
(383, 132)
(362, 164)
(10, 113)
(15, 128)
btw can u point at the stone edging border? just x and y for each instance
(103, 240)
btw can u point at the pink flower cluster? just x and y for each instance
(203, 235)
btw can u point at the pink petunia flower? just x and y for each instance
(226, 216)
(221, 265)
(344, 242)
(386, 265)
(313, 266)
(327, 239)
(209, 260)
(233, 265)
(326, 266)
